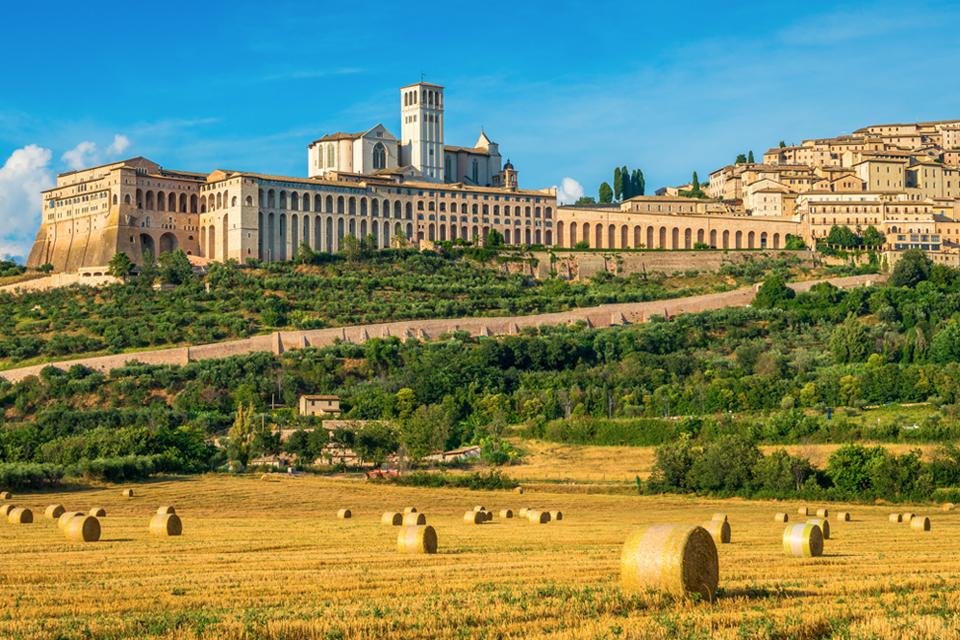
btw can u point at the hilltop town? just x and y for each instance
(415, 190)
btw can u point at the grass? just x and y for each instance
(271, 560)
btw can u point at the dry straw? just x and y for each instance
(895, 517)
(98, 512)
(719, 516)
(166, 509)
(556, 515)
(719, 530)
(417, 539)
(19, 515)
(407, 510)
(83, 528)
(474, 517)
(519, 490)
(487, 515)
(823, 513)
(344, 514)
(843, 516)
(948, 506)
(803, 540)
(6, 509)
(781, 517)
(824, 525)
(127, 493)
(392, 518)
(538, 517)
(53, 511)
(907, 517)
(522, 513)
(414, 519)
(506, 513)
(803, 511)
(65, 519)
(6, 495)
(166, 524)
(920, 523)
(678, 559)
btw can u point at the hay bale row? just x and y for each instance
(895, 517)
(803, 540)
(506, 514)
(538, 517)
(417, 539)
(65, 518)
(719, 530)
(823, 513)
(166, 524)
(392, 518)
(6, 509)
(907, 517)
(803, 511)
(843, 516)
(474, 517)
(920, 523)
(53, 511)
(781, 517)
(414, 519)
(98, 512)
(678, 559)
(19, 515)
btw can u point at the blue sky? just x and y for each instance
(568, 89)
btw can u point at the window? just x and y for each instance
(330, 158)
(379, 156)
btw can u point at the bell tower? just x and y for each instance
(421, 129)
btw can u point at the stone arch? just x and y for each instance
(211, 243)
(624, 242)
(282, 245)
(147, 246)
(559, 233)
(650, 238)
(663, 238)
(776, 241)
(260, 233)
(598, 234)
(271, 245)
(700, 236)
(586, 233)
(763, 239)
(168, 243)
(573, 234)
(750, 240)
(726, 239)
(183, 203)
(713, 238)
(675, 238)
(637, 237)
(149, 205)
(340, 233)
(193, 204)
(340, 204)
(225, 239)
(738, 240)
(306, 229)
(294, 232)
(611, 236)
(687, 239)
(352, 205)
(328, 227)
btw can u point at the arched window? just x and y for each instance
(379, 156)
(476, 171)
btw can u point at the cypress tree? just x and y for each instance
(750, 156)
(617, 184)
(628, 191)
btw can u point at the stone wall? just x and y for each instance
(601, 316)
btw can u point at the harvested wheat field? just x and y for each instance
(266, 560)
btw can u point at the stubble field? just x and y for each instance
(269, 559)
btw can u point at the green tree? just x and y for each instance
(46, 267)
(848, 467)
(794, 243)
(617, 183)
(695, 183)
(850, 390)
(848, 342)
(725, 465)
(945, 345)
(750, 157)
(494, 239)
(304, 254)
(782, 144)
(912, 268)
(606, 193)
(405, 402)
(873, 238)
(842, 236)
(375, 442)
(351, 248)
(638, 183)
(584, 201)
(781, 473)
(121, 265)
(175, 267)
(741, 159)
(773, 292)
(425, 431)
(672, 464)
(241, 434)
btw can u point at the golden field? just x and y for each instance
(269, 559)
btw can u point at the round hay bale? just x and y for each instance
(538, 517)
(506, 513)
(417, 539)
(824, 525)
(907, 517)
(166, 509)
(781, 517)
(65, 519)
(127, 493)
(488, 515)
(474, 517)
(719, 530)
(6, 509)
(843, 516)
(895, 517)
(20, 515)
(414, 519)
(83, 528)
(678, 559)
(98, 512)
(556, 515)
(522, 513)
(407, 510)
(519, 490)
(392, 518)
(920, 523)
(344, 514)
(53, 511)
(823, 513)
(948, 506)
(803, 540)
(803, 511)
(6, 495)
(479, 508)
(166, 524)
(719, 516)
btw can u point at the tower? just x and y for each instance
(421, 130)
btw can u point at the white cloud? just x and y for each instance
(119, 145)
(82, 155)
(569, 191)
(22, 177)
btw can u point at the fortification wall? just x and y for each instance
(58, 280)
(601, 316)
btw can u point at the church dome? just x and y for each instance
(509, 165)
